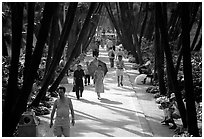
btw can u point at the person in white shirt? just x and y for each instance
(119, 71)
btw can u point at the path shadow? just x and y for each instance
(107, 101)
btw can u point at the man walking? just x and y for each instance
(78, 81)
(62, 121)
(111, 55)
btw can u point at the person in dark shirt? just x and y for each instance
(78, 81)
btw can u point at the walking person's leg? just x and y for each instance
(66, 131)
(88, 77)
(77, 91)
(81, 90)
(85, 80)
(112, 63)
(99, 96)
(118, 80)
(57, 131)
(121, 80)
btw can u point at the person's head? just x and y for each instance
(120, 57)
(78, 67)
(61, 91)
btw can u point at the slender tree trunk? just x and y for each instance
(57, 56)
(9, 123)
(29, 41)
(73, 51)
(187, 69)
(172, 78)
(54, 36)
(20, 103)
(159, 56)
(150, 28)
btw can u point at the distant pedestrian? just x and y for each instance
(109, 44)
(95, 48)
(98, 81)
(78, 81)
(111, 55)
(119, 71)
(63, 106)
(87, 75)
(120, 53)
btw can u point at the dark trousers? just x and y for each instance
(79, 88)
(111, 62)
(87, 79)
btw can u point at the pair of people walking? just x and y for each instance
(98, 81)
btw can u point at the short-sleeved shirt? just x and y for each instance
(120, 64)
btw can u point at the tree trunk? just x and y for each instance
(159, 56)
(20, 103)
(57, 56)
(9, 123)
(187, 69)
(137, 43)
(54, 36)
(73, 51)
(172, 78)
(29, 40)
(150, 28)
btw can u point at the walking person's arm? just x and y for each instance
(72, 111)
(53, 113)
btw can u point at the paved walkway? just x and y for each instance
(126, 111)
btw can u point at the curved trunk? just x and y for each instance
(187, 69)
(57, 56)
(10, 120)
(159, 58)
(29, 40)
(172, 78)
(73, 51)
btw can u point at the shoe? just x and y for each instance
(173, 127)
(99, 98)
(85, 84)
(121, 84)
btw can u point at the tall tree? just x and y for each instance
(73, 51)
(19, 100)
(57, 56)
(12, 88)
(187, 69)
(172, 78)
(159, 56)
(29, 40)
